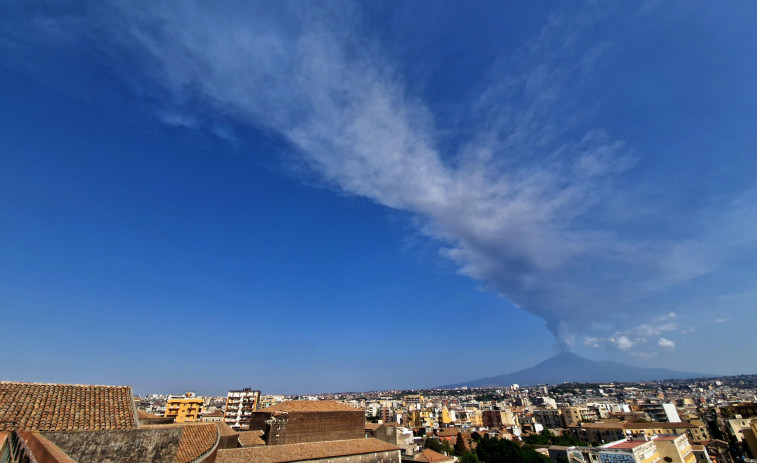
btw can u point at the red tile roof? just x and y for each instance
(224, 429)
(196, 440)
(251, 438)
(299, 452)
(430, 456)
(141, 414)
(66, 407)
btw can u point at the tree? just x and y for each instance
(460, 445)
(505, 451)
(439, 446)
(468, 457)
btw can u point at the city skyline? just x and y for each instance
(306, 198)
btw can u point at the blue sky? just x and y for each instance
(306, 197)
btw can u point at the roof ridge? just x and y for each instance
(63, 384)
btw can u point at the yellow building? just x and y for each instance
(696, 432)
(413, 400)
(750, 436)
(183, 408)
(675, 448)
(474, 416)
(446, 418)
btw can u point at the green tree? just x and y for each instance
(439, 446)
(468, 457)
(461, 446)
(505, 451)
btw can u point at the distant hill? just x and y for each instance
(571, 368)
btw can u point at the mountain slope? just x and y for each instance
(568, 367)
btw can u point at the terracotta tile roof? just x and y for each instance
(298, 452)
(66, 407)
(196, 440)
(310, 406)
(372, 426)
(225, 429)
(430, 456)
(251, 438)
(141, 414)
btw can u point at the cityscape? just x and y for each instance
(340, 231)
(709, 420)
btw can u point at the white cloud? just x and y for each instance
(528, 205)
(621, 342)
(666, 343)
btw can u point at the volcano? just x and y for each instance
(571, 368)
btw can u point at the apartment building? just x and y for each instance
(184, 408)
(239, 407)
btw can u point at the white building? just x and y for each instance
(239, 407)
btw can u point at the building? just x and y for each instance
(664, 413)
(548, 417)
(341, 451)
(239, 407)
(571, 416)
(613, 430)
(300, 421)
(492, 418)
(675, 448)
(429, 456)
(396, 435)
(695, 432)
(750, 437)
(631, 451)
(414, 401)
(61, 423)
(184, 408)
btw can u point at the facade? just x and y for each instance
(664, 413)
(186, 408)
(300, 421)
(410, 400)
(491, 418)
(630, 451)
(548, 417)
(750, 436)
(622, 451)
(675, 449)
(571, 416)
(695, 433)
(239, 407)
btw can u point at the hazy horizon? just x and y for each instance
(299, 196)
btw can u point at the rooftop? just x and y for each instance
(251, 438)
(66, 407)
(629, 444)
(430, 456)
(308, 451)
(308, 406)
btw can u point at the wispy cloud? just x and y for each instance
(529, 204)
